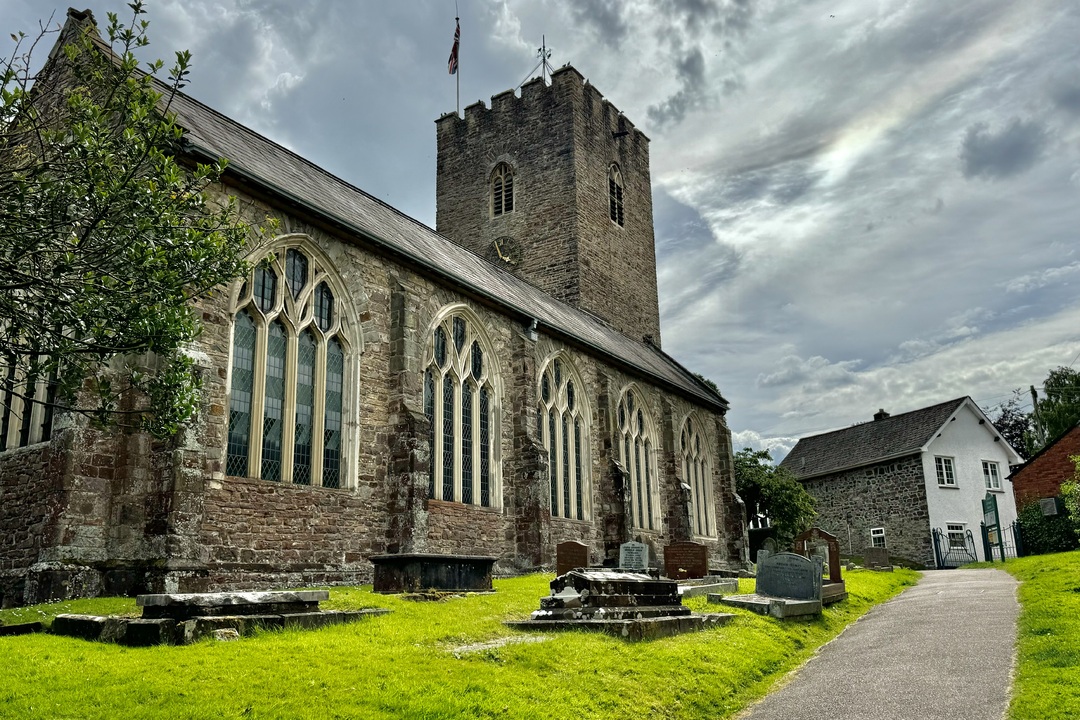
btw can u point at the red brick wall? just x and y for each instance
(1042, 477)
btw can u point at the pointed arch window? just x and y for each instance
(502, 190)
(290, 359)
(636, 444)
(460, 403)
(697, 473)
(615, 193)
(565, 434)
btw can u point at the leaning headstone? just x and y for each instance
(571, 555)
(686, 560)
(769, 546)
(876, 558)
(633, 556)
(817, 542)
(787, 575)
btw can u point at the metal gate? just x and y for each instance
(951, 551)
(1008, 545)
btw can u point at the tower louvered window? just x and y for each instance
(459, 401)
(290, 353)
(565, 435)
(615, 195)
(502, 190)
(698, 475)
(636, 444)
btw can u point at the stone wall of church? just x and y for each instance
(27, 490)
(891, 495)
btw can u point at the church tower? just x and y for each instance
(555, 187)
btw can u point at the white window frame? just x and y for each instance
(557, 381)
(296, 314)
(877, 534)
(945, 467)
(636, 437)
(697, 473)
(956, 532)
(991, 475)
(457, 370)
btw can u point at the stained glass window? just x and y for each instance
(324, 307)
(266, 288)
(335, 376)
(305, 409)
(296, 267)
(243, 377)
(274, 403)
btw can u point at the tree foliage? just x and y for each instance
(1013, 423)
(105, 238)
(1059, 407)
(774, 491)
(1070, 494)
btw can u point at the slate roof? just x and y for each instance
(869, 442)
(284, 174)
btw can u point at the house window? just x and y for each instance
(698, 475)
(502, 190)
(563, 428)
(991, 476)
(290, 361)
(636, 443)
(615, 193)
(27, 394)
(877, 537)
(957, 535)
(460, 403)
(946, 477)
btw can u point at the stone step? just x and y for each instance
(631, 629)
(184, 606)
(612, 613)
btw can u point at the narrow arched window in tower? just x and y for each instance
(502, 190)
(697, 474)
(291, 357)
(637, 458)
(564, 435)
(459, 401)
(615, 192)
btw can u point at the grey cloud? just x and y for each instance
(690, 70)
(1015, 148)
(1066, 95)
(605, 16)
(816, 372)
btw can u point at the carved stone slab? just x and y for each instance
(633, 556)
(787, 575)
(876, 557)
(571, 555)
(686, 560)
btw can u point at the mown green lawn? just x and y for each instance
(404, 665)
(1048, 670)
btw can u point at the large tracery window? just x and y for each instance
(502, 190)
(697, 474)
(287, 389)
(460, 404)
(636, 445)
(562, 426)
(26, 403)
(615, 193)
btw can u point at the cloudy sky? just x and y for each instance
(858, 204)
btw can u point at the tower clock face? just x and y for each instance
(505, 251)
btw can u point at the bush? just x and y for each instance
(1043, 534)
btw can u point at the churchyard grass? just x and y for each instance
(410, 664)
(1048, 670)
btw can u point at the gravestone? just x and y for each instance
(419, 572)
(790, 576)
(634, 556)
(686, 560)
(875, 557)
(571, 555)
(816, 541)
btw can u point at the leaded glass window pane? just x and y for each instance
(648, 484)
(324, 307)
(485, 449)
(545, 388)
(440, 346)
(637, 482)
(565, 468)
(630, 402)
(305, 409)
(553, 465)
(569, 395)
(577, 468)
(429, 411)
(296, 271)
(466, 444)
(459, 333)
(274, 403)
(448, 440)
(266, 288)
(558, 372)
(622, 416)
(243, 378)
(477, 361)
(335, 385)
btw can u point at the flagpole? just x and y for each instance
(457, 75)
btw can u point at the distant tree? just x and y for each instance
(1059, 407)
(1070, 494)
(774, 491)
(105, 239)
(1013, 423)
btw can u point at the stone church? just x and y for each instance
(493, 387)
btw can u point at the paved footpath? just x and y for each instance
(941, 649)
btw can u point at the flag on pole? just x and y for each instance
(451, 66)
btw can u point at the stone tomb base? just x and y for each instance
(423, 572)
(708, 585)
(779, 608)
(832, 592)
(636, 606)
(181, 619)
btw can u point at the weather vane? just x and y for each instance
(543, 52)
